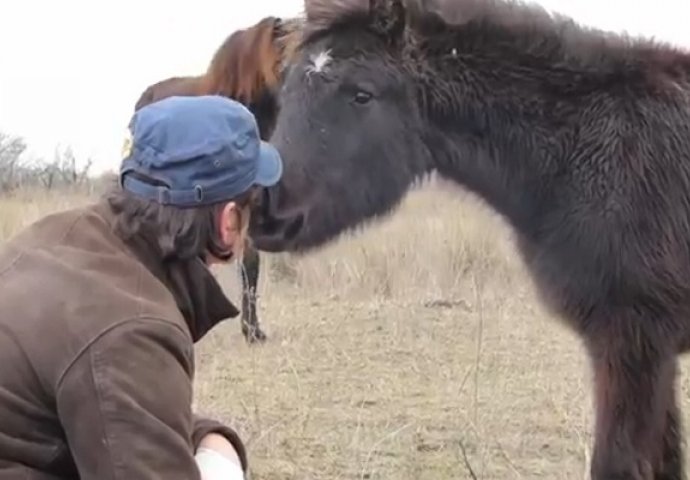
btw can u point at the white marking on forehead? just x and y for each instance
(319, 61)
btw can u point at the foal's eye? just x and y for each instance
(362, 96)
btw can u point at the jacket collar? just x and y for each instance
(198, 295)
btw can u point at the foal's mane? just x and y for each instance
(503, 26)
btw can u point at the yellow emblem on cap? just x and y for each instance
(127, 144)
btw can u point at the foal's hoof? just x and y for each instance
(254, 335)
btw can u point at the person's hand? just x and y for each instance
(217, 459)
(217, 442)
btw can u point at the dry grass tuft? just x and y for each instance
(413, 350)
(430, 249)
(25, 206)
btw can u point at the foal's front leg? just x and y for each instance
(671, 465)
(634, 383)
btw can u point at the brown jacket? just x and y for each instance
(96, 354)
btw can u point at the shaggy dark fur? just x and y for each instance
(580, 138)
(247, 67)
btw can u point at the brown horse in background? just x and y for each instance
(187, 86)
(247, 67)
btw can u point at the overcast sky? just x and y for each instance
(71, 70)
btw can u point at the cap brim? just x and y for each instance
(270, 167)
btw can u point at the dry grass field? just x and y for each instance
(415, 349)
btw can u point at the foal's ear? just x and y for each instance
(321, 14)
(388, 18)
(385, 17)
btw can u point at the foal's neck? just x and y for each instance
(507, 93)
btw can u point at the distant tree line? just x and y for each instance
(18, 172)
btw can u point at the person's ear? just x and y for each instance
(229, 223)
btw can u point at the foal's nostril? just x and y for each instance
(264, 203)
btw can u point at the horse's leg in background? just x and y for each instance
(634, 375)
(250, 279)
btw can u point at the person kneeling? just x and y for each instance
(101, 305)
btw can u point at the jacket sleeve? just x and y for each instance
(125, 404)
(204, 426)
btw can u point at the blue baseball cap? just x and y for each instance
(196, 151)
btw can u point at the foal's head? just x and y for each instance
(349, 126)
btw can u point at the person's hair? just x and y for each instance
(178, 233)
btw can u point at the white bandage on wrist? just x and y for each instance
(216, 466)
